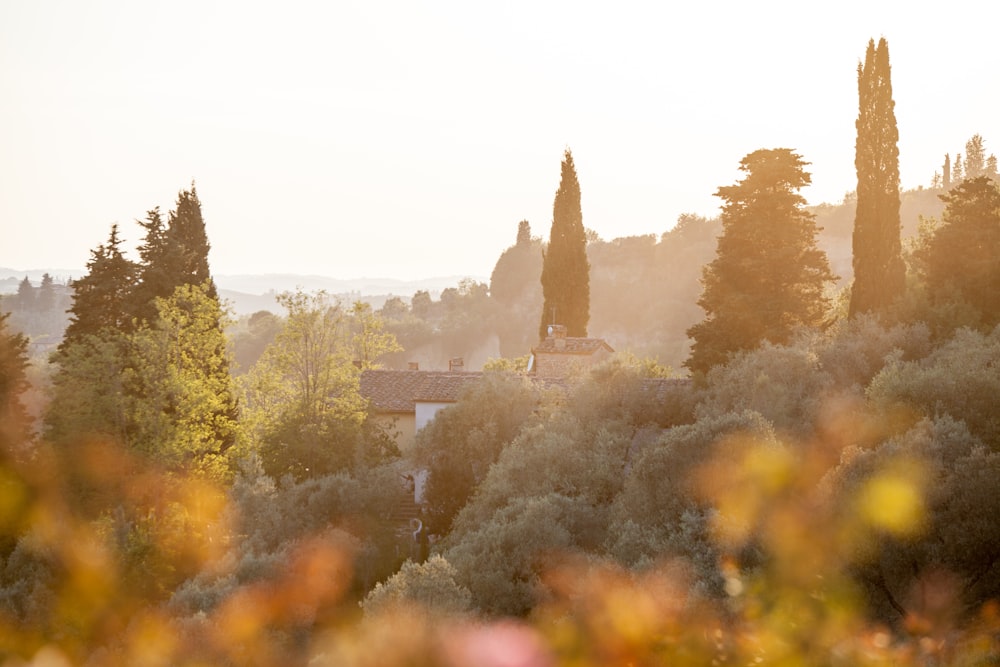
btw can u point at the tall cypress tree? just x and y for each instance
(879, 272)
(565, 268)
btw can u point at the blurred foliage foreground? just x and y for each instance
(101, 588)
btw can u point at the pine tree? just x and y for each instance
(15, 424)
(957, 171)
(768, 276)
(946, 183)
(172, 254)
(188, 243)
(975, 157)
(959, 261)
(25, 298)
(101, 299)
(154, 280)
(46, 300)
(879, 272)
(565, 268)
(86, 396)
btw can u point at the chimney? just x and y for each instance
(413, 366)
(557, 332)
(456, 365)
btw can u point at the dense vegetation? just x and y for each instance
(822, 491)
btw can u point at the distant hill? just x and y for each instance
(9, 278)
(249, 293)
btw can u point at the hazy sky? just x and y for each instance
(407, 139)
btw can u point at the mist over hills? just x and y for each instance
(249, 293)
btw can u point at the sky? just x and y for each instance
(403, 139)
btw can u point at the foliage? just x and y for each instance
(958, 379)
(172, 254)
(934, 563)
(853, 351)
(369, 340)
(659, 512)
(464, 440)
(181, 400)
(565, 268)
(638, 392)
(958, 259)
(302, 402)
(501, 559)
(783, 383)
(514, 289)
(430, 584)
(459, 324)
(504, 365)
(88, 393)
(879, 273)
(768, 276)
(40, 313)
(15, 425)
(252, 338)
(101, 298)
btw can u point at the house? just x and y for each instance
(559, 355)
(408, 400)
(411, 398)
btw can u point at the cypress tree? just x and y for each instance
(768, 275)
(565, 268)
(879, 272)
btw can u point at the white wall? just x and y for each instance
(426, 411)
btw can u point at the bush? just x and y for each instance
(430, 584)
(784, 384)
(959, 379)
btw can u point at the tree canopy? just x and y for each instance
(768, 276)
(959, 259)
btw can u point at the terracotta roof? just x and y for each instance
(399, 391)
(573, 346)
